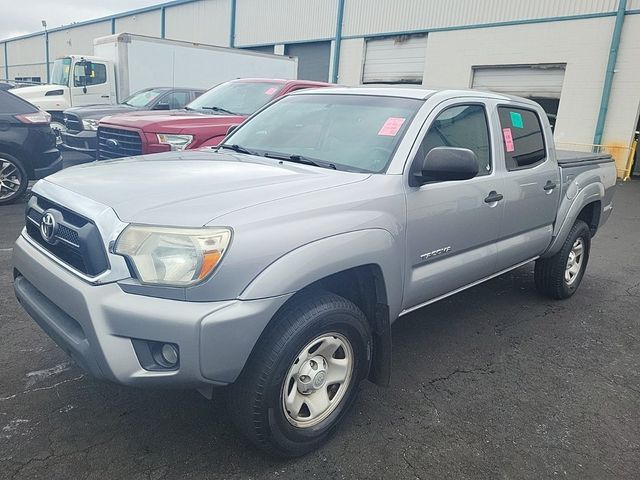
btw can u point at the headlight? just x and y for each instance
(176, 142)
(173, 256)
(90, 124)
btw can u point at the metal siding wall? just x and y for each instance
(77, 40)
(284, 21)
(143, 24)
(206, 21)
(364, 17)
(26, 51)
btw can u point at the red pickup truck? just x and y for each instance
(202, 123)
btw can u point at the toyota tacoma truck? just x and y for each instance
(275, 264)
(202, 123)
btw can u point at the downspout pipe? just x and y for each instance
(337, 42)
(6, 61)
(232, 24)
(611, 66)
(46, 48)
(163, 22)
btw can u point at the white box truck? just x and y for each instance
(125, 63)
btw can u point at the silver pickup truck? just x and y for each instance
(275, 264)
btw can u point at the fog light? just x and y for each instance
(169, 354)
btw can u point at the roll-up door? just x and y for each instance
(531, 81)
(313, 59)
(397, 59)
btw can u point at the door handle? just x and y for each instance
(104, 96)
(493, 197)
(549, 186)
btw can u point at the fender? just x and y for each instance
(212, 142)
(319, 259)
(571, 204)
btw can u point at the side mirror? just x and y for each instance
(232, 129)
(447, 164)
(162, 106)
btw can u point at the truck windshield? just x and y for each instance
(350, 132)
(236, 98)
(60, 72)
(143, 98)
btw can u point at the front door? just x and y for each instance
(531, 187)
(452, 226)
(93, 89)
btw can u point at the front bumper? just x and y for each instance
(85, 141)
(95, 325)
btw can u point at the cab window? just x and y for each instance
(522, 138)
(460, 126)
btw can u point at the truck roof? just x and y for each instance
(417, 92)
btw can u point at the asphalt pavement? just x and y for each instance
(495, 382)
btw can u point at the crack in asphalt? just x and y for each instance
(487, 370)
(55, 385)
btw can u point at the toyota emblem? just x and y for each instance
(48, 227)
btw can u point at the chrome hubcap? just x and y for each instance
(574, 262)
(9, 179)
(317, 380)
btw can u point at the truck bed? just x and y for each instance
(569, 158)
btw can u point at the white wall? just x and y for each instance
(27, 58)
(202, 22)
(282, 21)
(77, 40)
(143, 24)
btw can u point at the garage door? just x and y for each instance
(544, 81)
(395, 59)
(313, 59)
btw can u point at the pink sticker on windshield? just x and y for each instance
(391, 126)
(271, 91)
(508, 139)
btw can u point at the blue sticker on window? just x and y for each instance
(516, 120)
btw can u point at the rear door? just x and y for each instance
(531, 185)
(452, 227)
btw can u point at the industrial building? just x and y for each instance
(580, 59)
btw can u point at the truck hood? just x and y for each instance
(36, 95)
(192, 188)
(177, 121)
(100, 111)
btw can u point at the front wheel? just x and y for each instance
(304, 374)
(559, 276)
(58, 126)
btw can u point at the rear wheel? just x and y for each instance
(559, 276)
(13, 179)
(58, 126)
(303, 376)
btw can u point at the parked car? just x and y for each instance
(203, 123)
(27, 146)
(7, 85)
(82, 122)
(276, 263)
(120, 63)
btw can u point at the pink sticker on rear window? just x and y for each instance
(271, 91)
(391, 126)
(508, 139)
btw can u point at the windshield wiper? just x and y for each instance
(237, 148)
(219, 109)
(299, 159)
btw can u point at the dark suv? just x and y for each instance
(27, 146)
(82, 122)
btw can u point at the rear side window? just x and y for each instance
(460, 126)
(12, 105)
(522, 138)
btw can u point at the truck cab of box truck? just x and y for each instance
(75, 81)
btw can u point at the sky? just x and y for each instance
(21, 17)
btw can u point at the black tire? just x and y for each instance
(550, 272)
(12, 170)
(58, 126)
(256, 398)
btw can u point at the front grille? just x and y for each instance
(116, 143)
(73, 122)
(76, 241)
